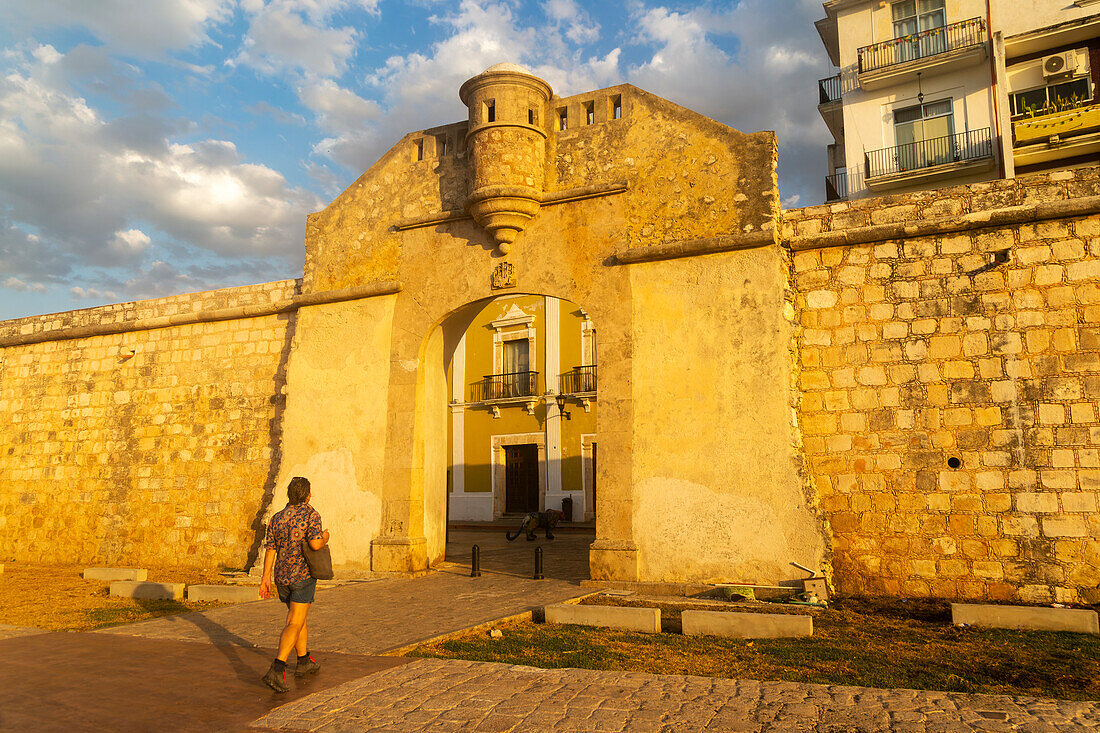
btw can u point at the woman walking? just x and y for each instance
(284, 559)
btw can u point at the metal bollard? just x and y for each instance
(475, 562)
(538, 563)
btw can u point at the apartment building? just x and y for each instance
(931, 93)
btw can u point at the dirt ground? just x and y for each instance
(888, 643)
(57, 598)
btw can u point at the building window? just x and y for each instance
(913, 18)
(1052, 98)
(924, 135)
(441, 147)
(563, 119)
(418, 151)
(617, 107)
(517, 355)
(589, 113)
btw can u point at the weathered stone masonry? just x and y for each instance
(917, 353)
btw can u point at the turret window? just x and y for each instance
(491, 111)
(532, 118)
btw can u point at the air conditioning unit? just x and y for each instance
(1059, 64)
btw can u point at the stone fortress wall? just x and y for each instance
(142, 432)
(950, 381)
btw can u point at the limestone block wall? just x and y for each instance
(153, 445)
(949, 399)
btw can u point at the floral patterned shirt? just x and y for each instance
(285, 533)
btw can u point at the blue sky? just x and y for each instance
(152, 147)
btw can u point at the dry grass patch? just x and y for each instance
(57, 598)
(868, 643)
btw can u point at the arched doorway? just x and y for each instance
(519, 385)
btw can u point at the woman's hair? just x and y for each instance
(298, 490)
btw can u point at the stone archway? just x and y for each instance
(521, 206)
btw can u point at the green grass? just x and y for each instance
(868, 644)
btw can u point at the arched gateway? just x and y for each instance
(598, 199)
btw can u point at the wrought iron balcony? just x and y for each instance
(828, 90)
(836, 187)
(926, 44)
(581, 379)
(963, 147)
(505, 386)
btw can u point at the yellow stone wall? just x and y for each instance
(162, 456)
(923, 350)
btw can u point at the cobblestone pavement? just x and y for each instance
(380, 615)
(447, 695)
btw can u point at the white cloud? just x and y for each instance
(337, 109)
(92, 293)
(14, 283)
(581, 28)
(69, 177)
(295, 36)
(129, 242)
(145, 28)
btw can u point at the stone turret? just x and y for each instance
(506, 143)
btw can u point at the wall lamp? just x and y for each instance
(561, 399)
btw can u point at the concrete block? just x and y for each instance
(223, 593)
(1027, 618)
(109, 574)
(646, 620)
(746, 625)
(155, 591)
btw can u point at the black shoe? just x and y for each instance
(275, 680)
(310, 666)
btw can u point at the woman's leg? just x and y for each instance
(301, 646)
(295, 624)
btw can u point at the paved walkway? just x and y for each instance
(452, 696)
(95, 682)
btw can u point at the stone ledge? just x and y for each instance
(154, 591)
(1027, 618)
(109, 574)
(746, 625)
(223, 593)
(645, 620)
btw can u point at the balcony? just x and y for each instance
(829, 96)
(580, 380)
(918, 163)
(513, 385)
(836, 187)
(1057, 135)
(935, 51)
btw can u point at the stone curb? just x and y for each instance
(1026, 618)
(111, 574)
(625, 618)
(746, 625)
(153, 591)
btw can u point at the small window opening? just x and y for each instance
(532, 119)
(419, 150)
(954, 462)
(441, 146)
(563, 119)
(617, 107)
(589, 113)
(491, 111)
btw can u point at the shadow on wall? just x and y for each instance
(275, 434)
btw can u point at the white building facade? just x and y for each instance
(931, 93)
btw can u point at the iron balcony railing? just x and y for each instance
(504, 386)
(828, 90)
(921, 45)
(836, 187)
(581, 379)
(965, 146)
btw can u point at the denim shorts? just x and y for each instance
(297, 592)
